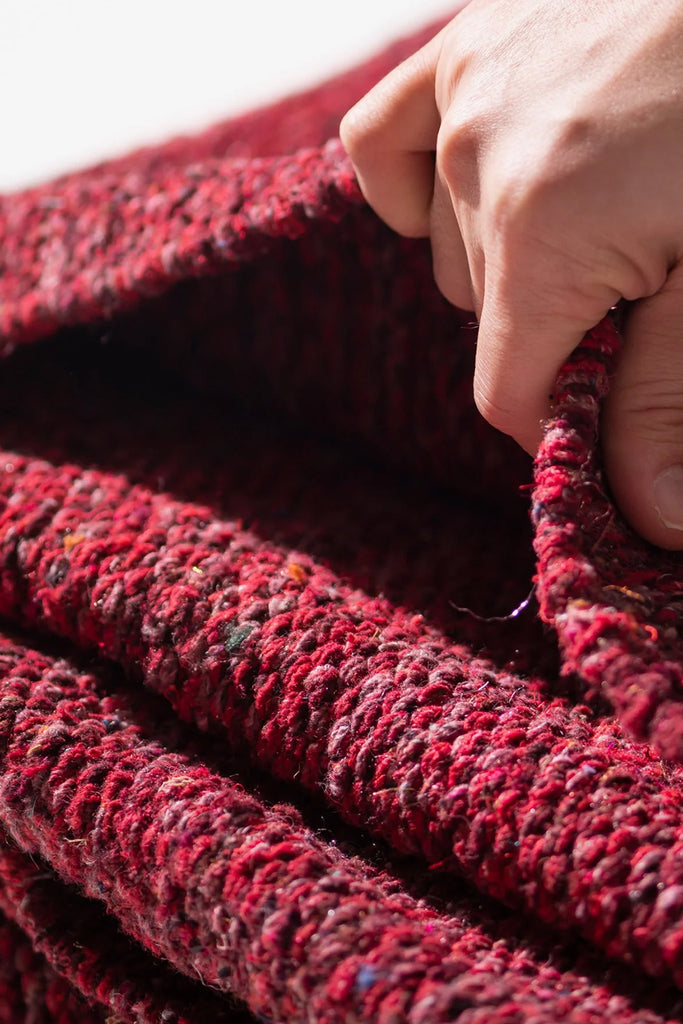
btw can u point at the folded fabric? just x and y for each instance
(302, 718)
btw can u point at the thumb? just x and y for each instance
(643, 422)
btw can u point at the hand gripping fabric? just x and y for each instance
(283, 736)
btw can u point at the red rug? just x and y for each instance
(295, 726)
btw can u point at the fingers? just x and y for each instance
(501, 247)
(391, 135)
(528, 328)
(643, 422)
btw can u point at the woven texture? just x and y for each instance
(303, 716)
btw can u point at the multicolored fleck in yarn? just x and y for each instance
(283, 736)
(615, 601)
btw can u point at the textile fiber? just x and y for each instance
(319, 703)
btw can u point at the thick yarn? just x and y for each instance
(614, 600)
(30, 990)
(240, 466)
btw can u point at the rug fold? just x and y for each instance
(244, 484)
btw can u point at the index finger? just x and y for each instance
(391, 135)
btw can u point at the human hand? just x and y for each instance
(539, 144)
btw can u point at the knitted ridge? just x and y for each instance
(92, 959)
(239, 457)
(614, 600)
(108, 240)
(242, 895)
(444, 754)
(131, 237)
(268, 223)
(31, 991)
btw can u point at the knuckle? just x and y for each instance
(457, 140)
(539, 172)
(374, 121)
(529, 186)
(355, 131)
(515, 205)
(635, 277)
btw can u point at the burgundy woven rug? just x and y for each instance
(302, 718)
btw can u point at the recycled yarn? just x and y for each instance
(284, 736)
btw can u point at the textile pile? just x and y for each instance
(302, 717)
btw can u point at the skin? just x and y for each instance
(539, 144)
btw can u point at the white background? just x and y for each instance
(85, 79)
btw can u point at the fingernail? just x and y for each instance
(668, 492)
